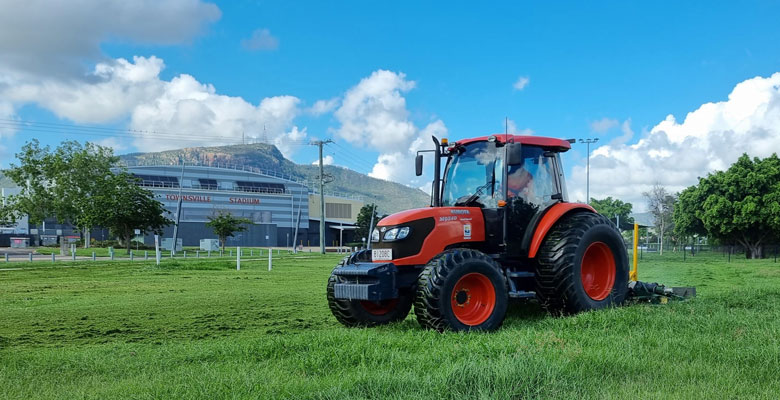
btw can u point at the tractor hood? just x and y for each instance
(431, 230)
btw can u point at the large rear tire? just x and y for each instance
(461, 290)
(366, 313)
(582, 265)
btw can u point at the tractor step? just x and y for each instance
(521, 294)
(520, 274)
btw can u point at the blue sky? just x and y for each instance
(611, 70)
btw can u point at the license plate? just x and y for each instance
(381, 254)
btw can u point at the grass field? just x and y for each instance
(200, 329)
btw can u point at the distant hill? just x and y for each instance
(389, 196)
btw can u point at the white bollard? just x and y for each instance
(146, 255)
(251, 252)
(73, 256)
(52, 257)
(131, 255)
(93, 256)
(184, 253)
(6, 257)
(238, 258)
(30, 257)
(270, 253)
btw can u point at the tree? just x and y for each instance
(739, 205)
(88, 172)
(686, 223)
(62, 183)
(35, 175)
(125, 206)
(225, 225)
(661, 204)
(364, 220)
(611, 208)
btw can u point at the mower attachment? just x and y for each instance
(366, 281)
(657, 293)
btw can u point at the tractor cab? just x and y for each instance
(513, 179)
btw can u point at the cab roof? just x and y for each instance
(558, 144)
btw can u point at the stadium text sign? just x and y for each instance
(244, 200)
(189, 197)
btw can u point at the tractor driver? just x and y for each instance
(520, 183)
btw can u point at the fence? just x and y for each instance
(729, 252)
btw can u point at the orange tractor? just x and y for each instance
(499, 228)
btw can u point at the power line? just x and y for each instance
(57, 128)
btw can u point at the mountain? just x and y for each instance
(389, 196)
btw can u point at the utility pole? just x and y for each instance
(178, 213)
(587, 179)
(371, 227)
(320, 143)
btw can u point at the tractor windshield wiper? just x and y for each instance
(479, 190)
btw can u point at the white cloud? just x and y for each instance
(287, 143)
(118, 144)
(521, 83)
(7, 113)
(373, 114)
(261, 39)
(326, 160)
(627, 133)
(675, 153)
(324, 106)
(171, 114)
(54, 38)
(109, 92)
(604, 125)
(511, 128)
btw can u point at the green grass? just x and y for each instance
(201, 329)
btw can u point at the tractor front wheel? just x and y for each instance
(366, 313)
(582, 265)
(459, 290)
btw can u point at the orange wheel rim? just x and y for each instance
(473, 299)
(379, 308)
(598, 271)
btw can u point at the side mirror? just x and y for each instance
(514, 154)
(418, 164)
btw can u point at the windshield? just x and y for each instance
(474, 175)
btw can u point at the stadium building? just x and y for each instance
(275, 203)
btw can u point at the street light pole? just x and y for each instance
(587, 173)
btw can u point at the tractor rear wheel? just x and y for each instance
(582, 265)
(460, 290)
(366, 313)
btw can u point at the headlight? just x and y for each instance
(375, 235)
(396, 233)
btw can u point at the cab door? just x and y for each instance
(532, 185)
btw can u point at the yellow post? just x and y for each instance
(633, 274)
